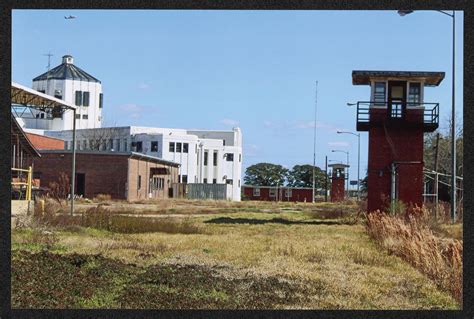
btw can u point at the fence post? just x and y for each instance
(28, 189)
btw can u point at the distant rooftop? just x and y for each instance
(66, 71)
(364, 77)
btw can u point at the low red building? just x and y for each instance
(126, 175)
(273, 193)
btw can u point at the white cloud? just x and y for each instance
(143, 86)
(230, 122)
(134, 111)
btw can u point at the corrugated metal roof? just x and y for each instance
(66, 71)
(361, 77)
(16, 129)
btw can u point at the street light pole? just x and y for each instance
(358, 159)
(453, 113)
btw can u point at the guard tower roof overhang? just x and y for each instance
(338, 165)
(365, 77)
(25, 96)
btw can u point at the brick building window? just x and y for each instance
(288, 192)
(139, 182)
(125, 145)
(272, 192)
(256, 192)
(117, 141)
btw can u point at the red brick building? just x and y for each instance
(127, 176)
(42, 142)
(396, 117)
(338, 179)
(272, 193)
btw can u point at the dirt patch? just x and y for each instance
(47, 280)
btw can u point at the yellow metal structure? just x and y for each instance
(28, 182)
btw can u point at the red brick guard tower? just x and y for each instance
(338, 178)
(396, 118)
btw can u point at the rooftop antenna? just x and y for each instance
(49, 55)
(314, 142)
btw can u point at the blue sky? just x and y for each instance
(254, 69)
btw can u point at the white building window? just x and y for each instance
(172, 147)
(230, 157)
(256, 192)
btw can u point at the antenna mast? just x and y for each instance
(49, 55)
(314, 142)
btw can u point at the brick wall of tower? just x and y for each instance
(337, 189)
(395, 142)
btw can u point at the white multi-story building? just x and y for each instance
(210, 157)
(70, 83)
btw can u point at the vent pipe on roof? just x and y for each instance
(67, 59)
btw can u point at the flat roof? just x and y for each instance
(25, 96)
(338, 165)
(110, 153)
(363, 77)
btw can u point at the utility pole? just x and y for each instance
(326, 180)
(436, 174)
(314, 142)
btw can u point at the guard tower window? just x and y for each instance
(154, 146)
(78, 98)
(85, 99)
(205, 181)
(172, 147)
(178, 147)
(230, 157)
(379, 93)
(185, 147)
(414, 93)
(206, 156)
(101, 100)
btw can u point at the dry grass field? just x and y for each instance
(181, 254)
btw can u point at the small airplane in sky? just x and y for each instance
(69, 17)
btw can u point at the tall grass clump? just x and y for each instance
(100, 217)
(410, 237)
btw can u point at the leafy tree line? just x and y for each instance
(268, 174)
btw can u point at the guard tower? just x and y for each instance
(396, 118)
(338, 178)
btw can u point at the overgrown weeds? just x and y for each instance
(101, 218)
(410, 237)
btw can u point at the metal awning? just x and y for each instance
(24, 96)
(364, 77)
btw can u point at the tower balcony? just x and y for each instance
(404, 114)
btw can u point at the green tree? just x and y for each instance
(302, 176)
(265, 174)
